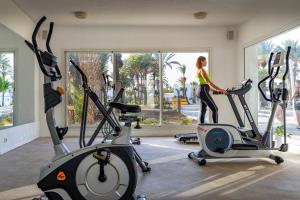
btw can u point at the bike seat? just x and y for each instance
(124, 108)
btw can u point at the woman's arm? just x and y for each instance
(213, 86)
(293, 96)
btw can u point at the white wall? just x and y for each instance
(14, 26)
(24, 75)
(12, 138)
(14, 18)
(132, 38)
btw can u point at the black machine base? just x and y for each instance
(187, 137)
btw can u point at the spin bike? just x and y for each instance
(228, 141)
(102, 171)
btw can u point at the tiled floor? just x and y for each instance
(173, 175)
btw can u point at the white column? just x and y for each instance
(161, 94)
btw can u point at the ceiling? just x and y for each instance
(148, 12)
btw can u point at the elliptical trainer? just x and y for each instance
(228, 141)
(103, 171)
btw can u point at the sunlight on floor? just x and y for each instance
(216, 184)
(25, 192)
(167, 159)
(256, 180)
(168, 147)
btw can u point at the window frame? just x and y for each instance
(14, 51)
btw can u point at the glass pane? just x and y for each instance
(256, 68)
(180, 82)
(138, 73)
(94, 65)
(6, 88)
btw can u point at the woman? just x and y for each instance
(296, 98)
(205, 86)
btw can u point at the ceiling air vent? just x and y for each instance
(80, 14)
(200, 15)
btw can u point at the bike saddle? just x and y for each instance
(124, 108)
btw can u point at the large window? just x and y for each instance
(139, 74)
(6, 88)
(94, 65)
(256, 66)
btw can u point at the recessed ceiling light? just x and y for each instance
(200, 15)
(80, 14)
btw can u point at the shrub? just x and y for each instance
(280, 132)
(186, 121)
(150, 121)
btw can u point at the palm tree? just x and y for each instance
(104, 59)
(182, 69)
(4, 85)
(137, 68)
(146, 66)
(264, 49)
(117, 66)
(166, 62)
(5, 69)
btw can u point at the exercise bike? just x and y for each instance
(103, 171)
(106, 129)
(228, 141)
(110, 133)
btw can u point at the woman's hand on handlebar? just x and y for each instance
(223, 91)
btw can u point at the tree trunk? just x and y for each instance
(178, 101)
(141, 89)
(118, 64)
(137, 89)
(194, 95)
(3, 98)
(134, 94)
(145, 90)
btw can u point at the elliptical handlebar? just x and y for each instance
(287, 66)
(273, 76)
(58, 74)
(35, 45)
(49, 37)
(54, 75)
(83, 76)
(270, 71)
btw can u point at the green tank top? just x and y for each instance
(202, 80)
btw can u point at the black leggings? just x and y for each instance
(207, 100)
